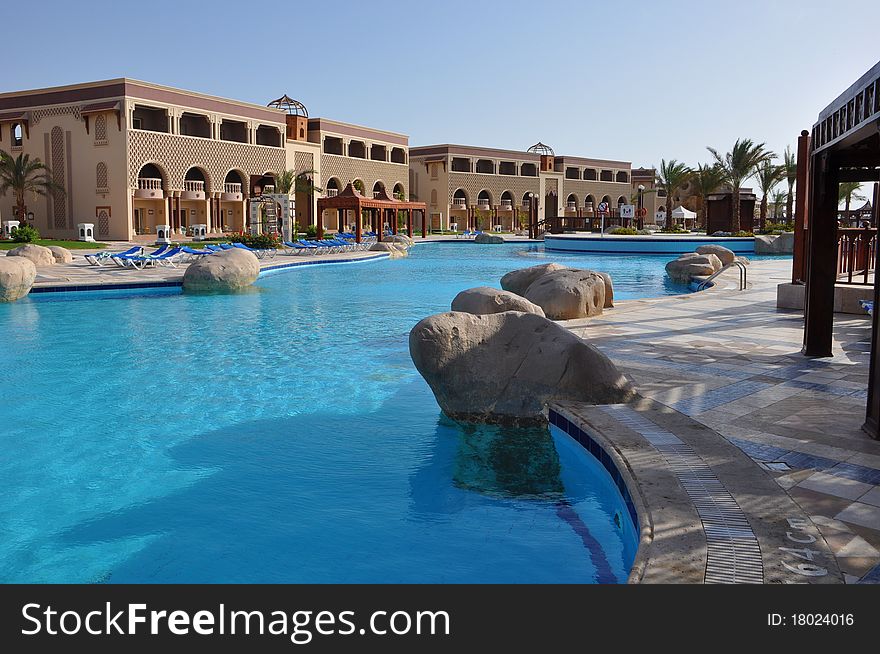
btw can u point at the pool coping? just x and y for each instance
(673, 545)
(178, 283)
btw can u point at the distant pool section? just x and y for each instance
(669, 244)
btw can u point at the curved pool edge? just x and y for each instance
(666, 244)
(683, 537)
(265, 271)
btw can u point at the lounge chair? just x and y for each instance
(123, 260)
(98, 258)
(192, 254)
(166, 258)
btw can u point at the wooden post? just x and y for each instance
(357, 229)
(320, 233)
(822, 259)
(801, 215)
(380, 227)
(393, 212)
(409, 223)
(424, 223)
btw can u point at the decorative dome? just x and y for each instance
(291, 106)
(540, 148)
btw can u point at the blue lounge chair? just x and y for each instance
(123, 260)
(98, 258)
(194, 254)
(166, 258)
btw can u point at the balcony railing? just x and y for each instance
(332, 192)
(194, 185)
(376, 194)
(506, 204)
(232, 187)
(571, 206)
(150, 183)
(459, 202)
(483, 203)
(856, 250)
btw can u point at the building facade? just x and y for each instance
(474, 187)
(133, 155)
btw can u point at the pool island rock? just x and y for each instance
(485, 299)
(17, 275)
(226, 271)
(691, 265)
(504, 368)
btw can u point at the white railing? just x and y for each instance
(459, 202)
(150, 183)
(231, 187)
(376, 194)
(482, 203)
(571, 206)
(507, 204)
(332, 192)
(193, 185)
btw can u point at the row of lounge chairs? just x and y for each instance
(165, 255)
(343, 242)
(469, 234)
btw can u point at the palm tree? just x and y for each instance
(768, 176)
(778, 199)
(706, 180)
(738, 165)
(847, 192)
(25, 175)
(672, 175)
(790, 166)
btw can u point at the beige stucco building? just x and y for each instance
(132, 155)
(475, 187)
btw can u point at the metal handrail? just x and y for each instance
(743, 275)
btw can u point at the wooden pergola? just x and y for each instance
(844, 146)
(381, 208)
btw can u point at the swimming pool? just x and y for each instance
(283, 435)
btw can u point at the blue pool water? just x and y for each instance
(283, 435)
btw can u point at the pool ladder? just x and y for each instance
(743, 275)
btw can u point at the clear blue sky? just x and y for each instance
(636, 80)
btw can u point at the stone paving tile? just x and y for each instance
(837, 486)
(858, 513)
(872, 497)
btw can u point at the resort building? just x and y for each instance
(469, 187)
(133, 155)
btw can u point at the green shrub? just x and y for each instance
(777, 228)
(257, 241)
(623, 231)
(25, 234)
(742, 232)
(311, 231)
(675, 230)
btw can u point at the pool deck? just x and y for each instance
(733, 420)
(80, 275)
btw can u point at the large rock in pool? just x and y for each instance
(62, 255)
(485, 299)
(504, 367)
(394, 250)
(229, 270)
(39, 255)
(768, 244)
(692, 265)
(17, 275)
(568, 294)
(400, 239)
(726, 256)
(488, 239)
(518, 281)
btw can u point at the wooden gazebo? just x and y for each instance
(381, 208)
(844, 146)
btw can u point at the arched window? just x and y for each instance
(433, 196)
(101, 176)
(101, 129)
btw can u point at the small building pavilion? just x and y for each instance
(844, 146)
(382, 210)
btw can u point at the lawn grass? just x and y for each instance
(70, 245)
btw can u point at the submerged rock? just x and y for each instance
(17, 275)
(504, 367)
(569, 293)
(485, 299)
(229, 270)
(394, 250)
